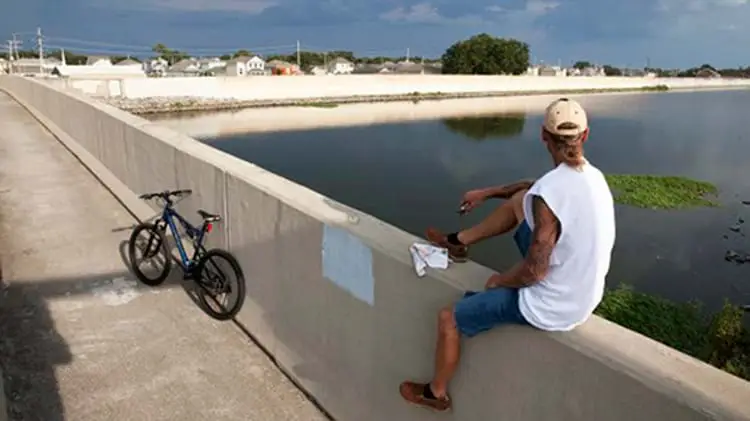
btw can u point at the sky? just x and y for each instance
(664, 33)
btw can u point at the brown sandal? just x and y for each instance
(414, 393)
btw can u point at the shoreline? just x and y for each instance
(167, 105)
(222, 123)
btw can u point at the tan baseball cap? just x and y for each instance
(565, 117)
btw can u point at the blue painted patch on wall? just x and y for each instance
(347, 262)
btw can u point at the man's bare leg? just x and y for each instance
(448, 350)
(502, 220)
(435, 393)
(447, 353)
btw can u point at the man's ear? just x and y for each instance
(585, 135)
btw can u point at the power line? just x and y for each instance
(400, 52)
(147, 48)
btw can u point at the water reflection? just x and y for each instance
(497, 126)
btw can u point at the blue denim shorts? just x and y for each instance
(477, 312)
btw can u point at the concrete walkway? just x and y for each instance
(79, 338)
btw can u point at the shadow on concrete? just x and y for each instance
(30, 349)
(30, 346)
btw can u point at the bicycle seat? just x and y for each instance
(209, 217)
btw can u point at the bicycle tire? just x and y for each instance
(241, 287)
(163, 247)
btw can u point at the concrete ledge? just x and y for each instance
(332, 295)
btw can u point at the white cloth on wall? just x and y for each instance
(425, 255)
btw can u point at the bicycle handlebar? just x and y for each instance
(166, 195)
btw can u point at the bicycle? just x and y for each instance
(199, 267)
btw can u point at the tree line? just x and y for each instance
(481, 54)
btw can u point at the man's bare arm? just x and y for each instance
(536, 264)
(508, 190)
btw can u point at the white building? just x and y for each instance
(208, 65)
(587, 71)
(340, 66)
(155, 67)
(546, 71)
(256, 66)
(129, 62)
(184, 67)
(237, 66)
(98, 61)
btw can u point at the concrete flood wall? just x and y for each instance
(305, 87)
(333, 296)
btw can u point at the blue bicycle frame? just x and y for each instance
(197, 235)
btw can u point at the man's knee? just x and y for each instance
(447, 319)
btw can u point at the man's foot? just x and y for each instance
(415, 393)
(459, 253)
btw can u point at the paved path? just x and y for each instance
(79, 339)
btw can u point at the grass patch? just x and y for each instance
(655, 88)
(719, 339)
(660, 192)
(320, 104)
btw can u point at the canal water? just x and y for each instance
(412, 174)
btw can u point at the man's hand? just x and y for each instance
(495, 281)
(537, 262)
(472, 199)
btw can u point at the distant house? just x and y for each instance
(98, 61)
(367, 69)
(212, 66)
(340, 66)
(416, 69)
(586, 71)
(129, 62)
(26, 66)
(551, 71)
(279, 67)
(156, 67)
(256, 66)
(318, 71)
(633, 72)
(184, 67)
(707, 73)
(237, 66)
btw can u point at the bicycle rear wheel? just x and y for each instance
(221, 284)
(152, 245)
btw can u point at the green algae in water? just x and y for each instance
(661, 192)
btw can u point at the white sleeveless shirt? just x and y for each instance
(573, 288)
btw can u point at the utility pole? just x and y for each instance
(299, 62)
(40, 46)
(16, 44)
(10, 56)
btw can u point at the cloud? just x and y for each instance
(418, 13)
(540, 7)
(239, 6)
(425, 13)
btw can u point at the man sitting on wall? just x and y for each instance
(564, 228)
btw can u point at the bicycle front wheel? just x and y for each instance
(221, 284)
(148, 244)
